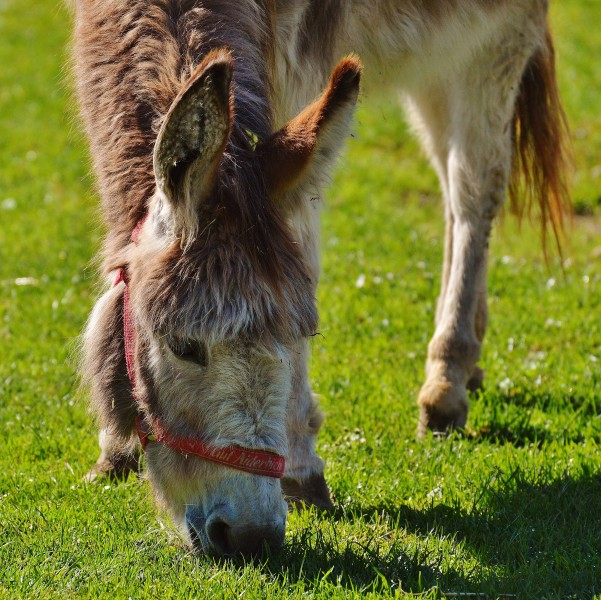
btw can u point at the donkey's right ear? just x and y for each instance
(194, 134)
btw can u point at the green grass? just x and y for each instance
(511, 507)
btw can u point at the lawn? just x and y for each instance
(508, 509)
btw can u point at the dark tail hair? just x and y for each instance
(541, 146)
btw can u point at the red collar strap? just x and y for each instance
(129, 332)
(256, 462)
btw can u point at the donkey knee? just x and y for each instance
(312, 491)
(117, 458)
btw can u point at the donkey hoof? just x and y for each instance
(476, 381)
(312, 491)
(115, 468)
(443, 407)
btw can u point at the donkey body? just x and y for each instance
(208, 142)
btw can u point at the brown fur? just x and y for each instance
(286, 155)
(132, 62)
(225, 285)
(132, 59)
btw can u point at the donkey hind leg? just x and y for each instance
(478, 163)
(304, 482)
(430, 115)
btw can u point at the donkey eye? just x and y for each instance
(189, 350)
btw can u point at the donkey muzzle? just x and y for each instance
(220, 534)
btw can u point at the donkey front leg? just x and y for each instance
(304, 481)
(105, 370)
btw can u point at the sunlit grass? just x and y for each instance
(510, 507)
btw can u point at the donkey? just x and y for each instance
(212, 152)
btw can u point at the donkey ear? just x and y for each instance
(193, 136)
(307, 147)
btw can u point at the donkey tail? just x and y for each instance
(541, 146)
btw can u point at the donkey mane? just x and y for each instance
(132, 65)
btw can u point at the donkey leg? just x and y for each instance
(430, 115)
(105, 372)
(476, 381)
(117, 459)
(479, 162)
(304, 481)
(455, 348)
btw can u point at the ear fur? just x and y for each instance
(310, 143)
(193, 136)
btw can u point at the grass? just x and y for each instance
(509, 509)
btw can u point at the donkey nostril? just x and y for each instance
(225, 536)
(218, 532)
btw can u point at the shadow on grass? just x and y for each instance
(509, 419)
(522, 539)
(530, 540)
(373, 565)
(526, 535)
(521, 433)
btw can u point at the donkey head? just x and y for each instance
(221, 295)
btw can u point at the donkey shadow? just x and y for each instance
(517, 428)
(525, 533)
(548, 526)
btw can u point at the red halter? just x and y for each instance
(257, 462)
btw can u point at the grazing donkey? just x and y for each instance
(210, 151)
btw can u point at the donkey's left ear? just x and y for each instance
(306, 148)
(194, 134)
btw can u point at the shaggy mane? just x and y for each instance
(132, 59)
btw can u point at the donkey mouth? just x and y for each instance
(196, 525)
(195, 538)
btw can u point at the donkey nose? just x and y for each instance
(228, 539)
